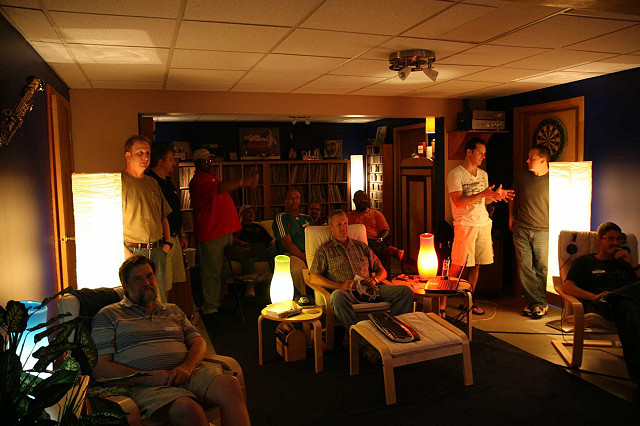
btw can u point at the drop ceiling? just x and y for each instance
(484, 48)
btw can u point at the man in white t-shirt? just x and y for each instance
(469, 191)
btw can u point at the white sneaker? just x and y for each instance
(539, 311)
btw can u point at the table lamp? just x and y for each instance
(427, 258)
(281, 283)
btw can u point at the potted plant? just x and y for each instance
(29, 396)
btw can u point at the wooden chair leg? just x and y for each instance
(466, 364)
(354, 353)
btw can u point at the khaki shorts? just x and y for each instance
(149, 399)
(175, 272)
(474, 241)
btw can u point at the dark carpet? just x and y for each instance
(510, 385)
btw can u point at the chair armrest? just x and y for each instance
(119, 402)
(229, 364)
(571, 302)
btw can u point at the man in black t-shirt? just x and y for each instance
(252, 232)
(608, 283)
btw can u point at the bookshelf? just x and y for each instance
(379, 160)
(323, 180)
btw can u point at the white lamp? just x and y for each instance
(97, 211)
(357, 176)
(281, 283)
(427, 258)
(569, 206)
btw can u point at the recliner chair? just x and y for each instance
(315, 236)
(71, 304)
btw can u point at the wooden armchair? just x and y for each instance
(587, 329)
(315, 236)
(71, 304)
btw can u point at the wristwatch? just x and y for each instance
(167, 243)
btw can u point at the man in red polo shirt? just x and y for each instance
(215, 220)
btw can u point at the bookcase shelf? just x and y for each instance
(379, 161)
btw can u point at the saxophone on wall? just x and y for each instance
(12, 119)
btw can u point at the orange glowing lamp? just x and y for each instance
(427, 258)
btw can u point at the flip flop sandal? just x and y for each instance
(442, 314)
(477, 310)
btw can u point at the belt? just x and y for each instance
(142, 245)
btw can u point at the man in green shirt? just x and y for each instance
(529, 222)
(288, 228)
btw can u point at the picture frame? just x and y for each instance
(381, 134)
(333, 149)
(259, 143)
(182, 150)
(233, 156)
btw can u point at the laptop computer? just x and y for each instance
(442, 285)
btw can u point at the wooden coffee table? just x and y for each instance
(419, 293)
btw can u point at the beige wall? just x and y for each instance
(103, 119)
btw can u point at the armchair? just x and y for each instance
(315, 236)
(71, 304)
(587, 329)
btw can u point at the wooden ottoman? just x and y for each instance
(438, 339)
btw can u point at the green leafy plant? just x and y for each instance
(25, 394)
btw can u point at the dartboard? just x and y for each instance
(552, 134)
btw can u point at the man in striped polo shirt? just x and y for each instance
(140, 334)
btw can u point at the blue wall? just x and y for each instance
(611, 140)
(27, 261)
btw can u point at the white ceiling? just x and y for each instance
(484, 48)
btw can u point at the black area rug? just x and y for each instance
(510, 385)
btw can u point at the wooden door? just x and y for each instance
(416, 203)
(61, 166)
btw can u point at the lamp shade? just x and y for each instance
(430, 125)
(427, 257)
(97, 212)
(357, 176)
(281, 283)
(570, 188)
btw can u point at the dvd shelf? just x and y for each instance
(379, 160)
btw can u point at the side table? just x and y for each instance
(419, 293)
(309, 316)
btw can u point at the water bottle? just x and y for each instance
(445, 268)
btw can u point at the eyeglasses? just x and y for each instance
(620, 239)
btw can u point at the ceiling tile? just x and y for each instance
(33, 24)
(90, 54)
(198, 86)
(365, 68)
(416, 80)
(31, 4)
(450, 72)
(121, 84)
(501, 74)
(506, 90)
(499, 21)
(615, 64)
(180, 77)
(291, 79)
(150, 8)
(389, 17)
(207, 59)
(124, 72)
(52, 52)
(559, 77)
(323, 90)
(448, 20)
(69, 71)
(560, 31)
(327, 43)
(298, 64)
(350, 82)
(228, 37)
(558, 58)
(261, 12)
(609, 15)
(441, 48)
(457, 86)
(491, 55)
(114, 30)
(78, 84)
(623, 41)
(379, 91)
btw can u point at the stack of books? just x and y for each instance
(283, 309)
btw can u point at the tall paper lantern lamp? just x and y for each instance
(430, 125)
(427, 257)
(281, 283)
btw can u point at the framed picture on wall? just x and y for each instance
(381, 134)
(182, 150)
(333, 149)
(259, 143)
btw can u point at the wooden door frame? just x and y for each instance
(57, 184)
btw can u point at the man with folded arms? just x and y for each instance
(140, 334)
(144, 210)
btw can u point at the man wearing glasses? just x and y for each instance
(608, 283)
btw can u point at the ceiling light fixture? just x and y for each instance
(406, 61)
(295, 118)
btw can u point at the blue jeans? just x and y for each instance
(532, 252)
